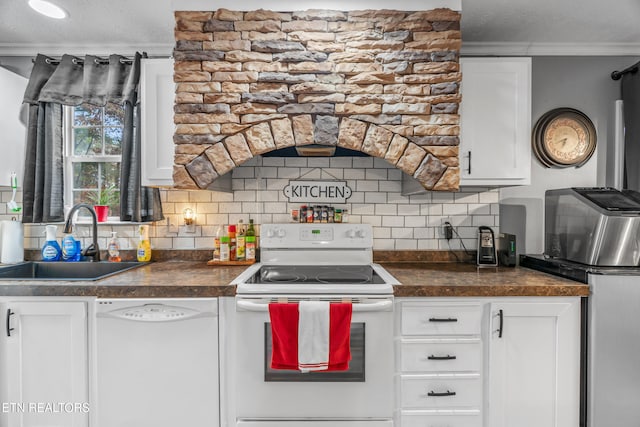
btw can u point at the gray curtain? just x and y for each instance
(75, 81)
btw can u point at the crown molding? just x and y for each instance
(288, 5)
(17, 49)
(549, 49)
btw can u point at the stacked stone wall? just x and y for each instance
(383, 82)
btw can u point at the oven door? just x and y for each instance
(365, 391)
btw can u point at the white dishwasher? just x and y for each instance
(157, 363)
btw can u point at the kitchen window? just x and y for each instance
(93, 153)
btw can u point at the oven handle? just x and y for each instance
(359, 307)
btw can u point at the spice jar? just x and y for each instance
(337, 215)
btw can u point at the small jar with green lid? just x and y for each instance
(337, 215)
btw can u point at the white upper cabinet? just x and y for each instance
(157, 97)
(156, 104)
(13, 119)
(495, 121)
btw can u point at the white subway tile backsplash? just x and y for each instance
(406, 244)
(363, 162)
(375, 197)
(300, 162)
(362, 209)
(382, 233)
(318, 162)
(414, 221)
(243, 172)
(386, 209)
(399, 222)
(454, 209)
(384, 244)
(272, 161)
(245, 196)
(340, 162)
(393, 221)
(354, 174)
(402, 233)
(289, 173)
(380, 174)
(374, 221)
(365, 186)
(408, 210)
(199, 196)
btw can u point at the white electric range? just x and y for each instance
(331, 262)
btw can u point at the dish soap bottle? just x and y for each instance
(51, 250)
(70, 248)
(144, 246)
(114, 248)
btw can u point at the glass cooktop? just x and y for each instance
(314, 274)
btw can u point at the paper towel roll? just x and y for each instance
(11, 242)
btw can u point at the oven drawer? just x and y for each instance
(436, 391)
(440, 355)
(441, 319)
(437, 419)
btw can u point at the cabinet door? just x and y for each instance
(45, 364)
(12, 122)
(156, 107)
(534, 376)
(495, 121)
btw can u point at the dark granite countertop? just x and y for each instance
(166, 279)
(468, 280)
(188, 279)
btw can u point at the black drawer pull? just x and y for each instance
(9, 328)
(446, 393)
(448, 319)
(447, 357)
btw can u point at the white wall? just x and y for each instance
(583, 83)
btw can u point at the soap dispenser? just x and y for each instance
(51, 250)
(114, 248)
(144, 246)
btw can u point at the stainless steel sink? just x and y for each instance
(40, 270)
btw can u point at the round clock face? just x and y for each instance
(564, 137)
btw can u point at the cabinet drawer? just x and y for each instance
(440, 355)
(424, 419)
(434, 392)
(434, 319)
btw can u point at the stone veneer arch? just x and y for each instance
(382, 82)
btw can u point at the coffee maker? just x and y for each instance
(487, 255)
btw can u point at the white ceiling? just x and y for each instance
(511, 27)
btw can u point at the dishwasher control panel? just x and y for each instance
(153, 313)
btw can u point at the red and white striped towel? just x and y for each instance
(311, 336)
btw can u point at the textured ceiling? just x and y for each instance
(488, 26)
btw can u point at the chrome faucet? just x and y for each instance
(93, 250)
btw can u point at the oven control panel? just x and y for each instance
(313, 235)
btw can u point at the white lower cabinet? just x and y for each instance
(534, 367)
(492, 362)
(44, 364)
(440, 362)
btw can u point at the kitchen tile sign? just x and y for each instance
(307, 191)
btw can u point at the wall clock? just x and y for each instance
(564, 137)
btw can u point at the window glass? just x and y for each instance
(94, 140)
